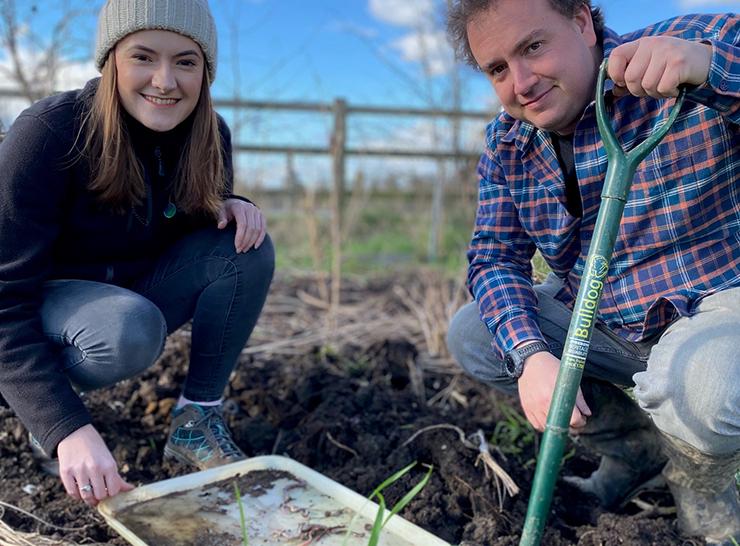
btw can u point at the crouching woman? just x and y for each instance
(117, 226)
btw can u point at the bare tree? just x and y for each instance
(34, 62)
(439, 90)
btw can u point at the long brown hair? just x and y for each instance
(116, 174)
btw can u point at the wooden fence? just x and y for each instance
(338, 149)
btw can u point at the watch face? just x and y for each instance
(510, 364)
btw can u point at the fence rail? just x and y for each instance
(351, 109)
(339, 151)
(342, 109)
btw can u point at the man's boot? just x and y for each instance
(628, 442)
(705, 492)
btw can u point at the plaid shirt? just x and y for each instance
(679, 239)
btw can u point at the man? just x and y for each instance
(669, 319)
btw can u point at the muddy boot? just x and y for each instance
(629, 445)
(705, 492)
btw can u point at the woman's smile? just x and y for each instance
(160, 101)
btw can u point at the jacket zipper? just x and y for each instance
(170, 210)
(160, 165)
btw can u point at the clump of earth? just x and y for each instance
(350, 413)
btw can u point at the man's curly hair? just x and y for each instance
(463, 11)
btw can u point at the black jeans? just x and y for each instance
(106, 333)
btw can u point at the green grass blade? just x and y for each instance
(392, 479)
(242, 518)
(408, 497)
(378, 523)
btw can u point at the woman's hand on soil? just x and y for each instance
(87, 468)
(251, 225)
(536, 387)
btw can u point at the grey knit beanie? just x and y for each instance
(191, 18)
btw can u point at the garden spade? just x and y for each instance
(620, 171)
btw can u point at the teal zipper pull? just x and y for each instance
(170, 210)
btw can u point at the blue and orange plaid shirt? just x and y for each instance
(679, 239)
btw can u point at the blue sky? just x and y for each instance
(298, 49)
(366, 51)
(320, 49)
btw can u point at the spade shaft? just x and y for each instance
(620, 171)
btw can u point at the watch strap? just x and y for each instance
(514, 360)
(532, 348)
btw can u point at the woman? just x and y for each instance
(117, 226)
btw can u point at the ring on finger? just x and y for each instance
(86, 488)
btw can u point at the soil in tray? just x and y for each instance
(279, 508)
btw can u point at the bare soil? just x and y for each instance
(347, 412)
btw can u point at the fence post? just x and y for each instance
(338, 152)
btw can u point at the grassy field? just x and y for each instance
(382, 232)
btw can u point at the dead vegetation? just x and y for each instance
(355, 392)
(297, 320)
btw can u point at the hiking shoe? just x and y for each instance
(49, 465)
(199, 437)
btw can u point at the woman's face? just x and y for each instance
(160, 74)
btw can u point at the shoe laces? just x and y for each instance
(214, 421)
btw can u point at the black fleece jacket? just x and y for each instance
(52, 227)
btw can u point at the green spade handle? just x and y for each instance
(623, 165)
(620, 171)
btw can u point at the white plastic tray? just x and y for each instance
(282, 514)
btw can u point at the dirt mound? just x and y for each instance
(351, 413)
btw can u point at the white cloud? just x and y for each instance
(70, 75)
(424, 43)
(416, 135)
(409, 13)
(427, 47)
(426, 134)
(75, 75)
(9, 110)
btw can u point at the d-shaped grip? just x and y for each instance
(613, 148)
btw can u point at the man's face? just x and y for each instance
(541, 64)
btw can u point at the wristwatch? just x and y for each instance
(514, 359)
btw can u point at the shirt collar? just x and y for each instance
(520, 134)
(611, 40)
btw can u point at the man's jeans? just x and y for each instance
(106, 333)
(687, 379)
